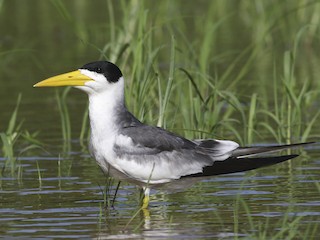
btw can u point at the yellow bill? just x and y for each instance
(75, 78)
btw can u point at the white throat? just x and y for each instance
(103, 108)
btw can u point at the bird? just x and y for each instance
(150, 156)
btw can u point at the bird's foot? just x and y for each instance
(145, 202)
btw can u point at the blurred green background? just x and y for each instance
(220, 53)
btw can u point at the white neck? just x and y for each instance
(103, 108)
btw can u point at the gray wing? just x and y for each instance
(156, 155)
(153, 140)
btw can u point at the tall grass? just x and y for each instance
(184, 72)
(163, 101)
(292, 102)
(12, 138)
(249, 90)
(9, 138)
(64, 117)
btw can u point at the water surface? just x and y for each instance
(68, 202)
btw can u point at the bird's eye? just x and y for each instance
(99, 70)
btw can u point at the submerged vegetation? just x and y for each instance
(238, 70)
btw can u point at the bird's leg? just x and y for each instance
(145, 202)
(115, 194)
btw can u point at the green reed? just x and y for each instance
(84, 132)
(14, 138)
(291, 106)
(206, 77)
(163, 101)
(9, 138)
(64, 117)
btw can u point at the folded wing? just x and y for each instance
(154, 155)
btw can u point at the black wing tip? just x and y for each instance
(233, 165)
(287, 157)
(303, 143)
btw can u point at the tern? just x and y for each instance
(150, 156)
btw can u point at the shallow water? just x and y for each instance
(70, 204)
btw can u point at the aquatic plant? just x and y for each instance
(10, 138)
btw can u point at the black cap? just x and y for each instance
(108, 69)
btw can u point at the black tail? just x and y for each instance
(233, 165)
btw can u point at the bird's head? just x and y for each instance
(93, 77)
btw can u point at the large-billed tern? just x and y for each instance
(149, 156)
